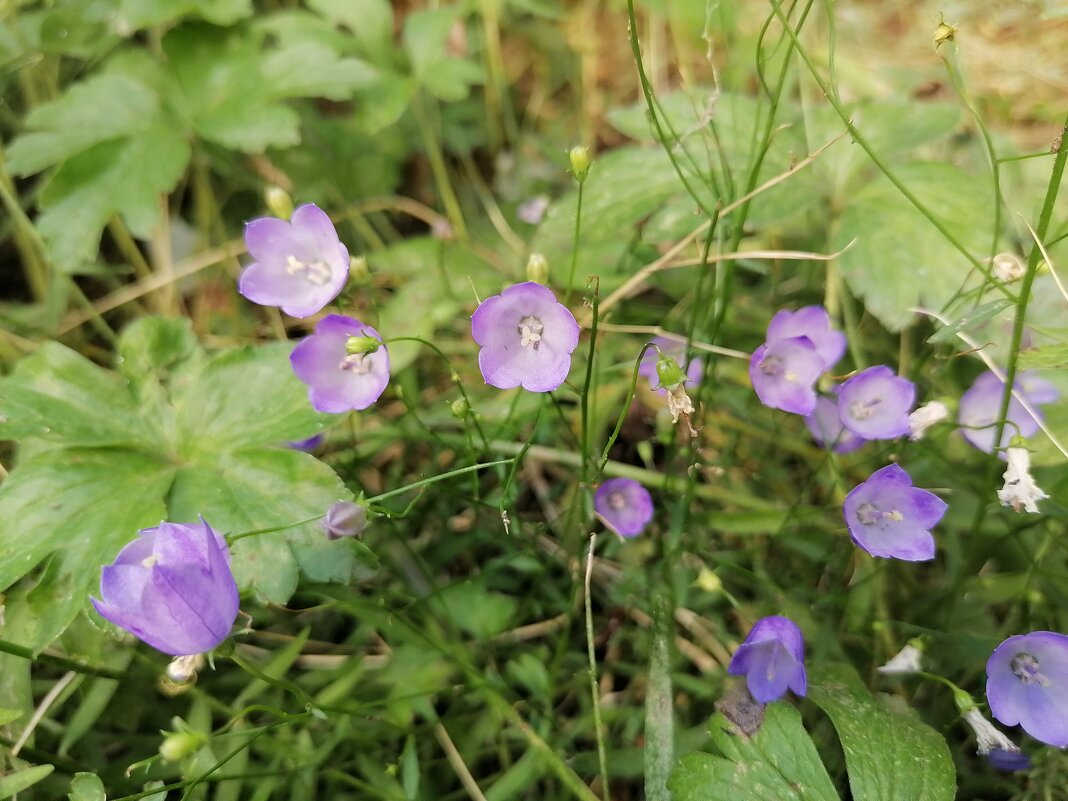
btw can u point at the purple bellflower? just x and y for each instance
(677, 351)
(624, 506)
(344, 519)
(300, 265)
(526, 338)
(980, 407)
(875, 403)
(784, 373)
(827, 429)
(338, 380)
(1027, 684)
(889, 517)
(772, 659)
(812, 322)
(172, 588)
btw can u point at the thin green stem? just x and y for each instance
(575, 244)
(595, 690)
(434, 479)
(438, 168)
(626, 405)
(584, 400)
(60, 661)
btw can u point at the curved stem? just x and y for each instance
(626, 405)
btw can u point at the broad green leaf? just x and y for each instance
(900, 260)
(307, 69)
(1045, 357)
(890, 753)
(86, 787)
(8, 715)
(63, 397)
(978, 315)
(120, 177)
(18, 781)
(371, 21)
(476, 610)
(385, 101)
(151, 346)
(777, 763)
(98, 109)
(137, 14)
(426, 35)
(259, 488)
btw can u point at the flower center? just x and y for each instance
(1025, 668)
(150, 561)
(862, 411)
(868, 514)
(771, 365)
(315, 272)
(356, 363)
(530, 329)
(617, 501)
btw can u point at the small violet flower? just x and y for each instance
(980, 407)
(826, 427)
(526, 338)
(172, 588)
(624, 506)
(772, 659)
(814, 323)
(875, 403)
(300, 265)
(340, 380)
(1020, 490)
(888, 517)
(784, 373)
(1027, 684)
(344, 519)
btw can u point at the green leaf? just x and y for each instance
(137, 14)
(8, 715)
(900, 260)
(119, 177)
(977, 316)
(307, 69)
(86, 787)
(371, 21)
(890, 754)
(63, 397)
(426, 35)
(777, 763)
(1045, 357)
(151, 346)
(98, 109)
(476, 610)
(18, 781)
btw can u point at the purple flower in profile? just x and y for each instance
(624, 506)
(980, 408)
(1008, 761)
(172, 587)
(784, 373)
(827, 429)
(889, 517)
(299, 265)
(526, 337)
(677, 351)
(344, 519)
(772, 659)
(875, 403)
(1027, 684)
(814, 323)
(306, 445)
(340, 381)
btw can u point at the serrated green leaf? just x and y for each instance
(977, 316)
(18, 781)
(890, 753)
(307, 69)
(96, 110)
(777, 763)
(120, 177)
(371, 21)
(900, 260)
(138, 14)
(86, 787)
(1045, 357)
(385, 101)
(152, 345)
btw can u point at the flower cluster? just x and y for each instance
(800, 346)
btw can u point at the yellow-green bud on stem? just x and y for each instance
(354, 345)
(538, 269)
(459, 408)
(963, 701)
(178, 745)
(669, 372)
(278, 201)
(359, 269)
(579, 157)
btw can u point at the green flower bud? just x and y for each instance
(176, 746)
(278, 201)
(459, 408)
(363, 344)
(963, 701)
(580, 162)
(669, 372)
(538, 269)
(359, 269)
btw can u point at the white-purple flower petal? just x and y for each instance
(526, 338)
(1027, 684)
(875, 403)
(624, 506)
(888, 517)
(812, 322)
(772, 659)
(299, 265)
(339, 381)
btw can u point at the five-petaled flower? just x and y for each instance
(1027, 684)
(624, 506)
(172, 588)
(889, 517)
(340, 380)
(526, 338)
(875, 403)
(300, 265)
(772, 659)
(784, 373)
(814, 323)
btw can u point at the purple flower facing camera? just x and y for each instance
(784, 373)
(875, 403)
(1027, 684)
(300, 265)
(772, 659)
(888, 517)
(624, 506)
(340, 380)
(172, 588)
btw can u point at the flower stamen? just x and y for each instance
(356, 363)
(1026, 668)
(316, 272)
(530, 329)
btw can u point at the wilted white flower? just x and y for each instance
(1020, 489)
(987, 736)
(183, 669)
(925, 417)
(1009, 267)
(907, 660)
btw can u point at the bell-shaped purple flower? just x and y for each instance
(980, 407)
(889, 517)
(624, 506)
(172, 587)
(1027, 684)
(526, 337)
(875, 403)
(675, 350)
(339, 381)
(812, 322)
(827, 429)
(772, 659)
(784, 373)
(299, 265)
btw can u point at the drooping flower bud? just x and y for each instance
(362, 344)
(181, 742)
(345, 519)
(1008, 267)
(907, 660)
(579, 157)
(278, 202)
(538, 269)
(359, 269)
(1020, 489)
(459, 408)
